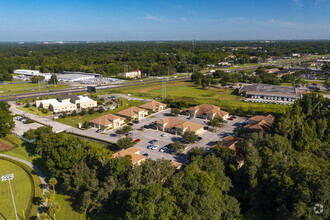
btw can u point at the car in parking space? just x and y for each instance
(130, 124)
(226, 121)
(233, 116)
(113, 135)
(137, 140)
(146, 126)
(137, 122)
(163, 149)
(164, 135)
(150, 146)
(145, 154)
(207, 149)
(153, 141)
(154, 147)
(129, 134)
(230, 119)
(99, 130)
(206, 128)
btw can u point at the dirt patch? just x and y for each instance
(5, 146)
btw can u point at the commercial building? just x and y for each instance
(154, 106)
(271, 93)
(132, 152)
(134, 74)
(260, 123)
(66, 103)
(30, 73)
(133, 113)
(107, 122)
(207, 111)
(178, 127)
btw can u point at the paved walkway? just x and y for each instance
(41, 176)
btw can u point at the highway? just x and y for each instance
(76, 90)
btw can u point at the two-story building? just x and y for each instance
(108, 121)
(178, 126)
(154, 106)
(133, 113)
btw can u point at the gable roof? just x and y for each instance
(152, 105)
(260, 123)
(132, 151)
(106, 120)
(181, 124)
(72, 98)
(203, 108)
(131, 112)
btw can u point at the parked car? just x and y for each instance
(206, 128)
(150, 146)
(233, 116)
(163, 149)
(113, 135)
(230, 119)
(226, 121)
(207, 149)
(154, 147)
(164, 135)
(137, 140)
(129, 134)
(146, 126)
(145, 154)
(153, 141)
(137, 122)
(99, 130)
(130, 124)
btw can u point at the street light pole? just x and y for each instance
(10, 177)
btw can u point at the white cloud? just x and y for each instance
(298, 3)
(154, 18)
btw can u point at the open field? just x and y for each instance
(73, 121)
(225, 98)
(22, 191)
(20, 88)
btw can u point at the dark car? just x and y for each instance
(145, 154)
(146, 126)
(130, 124)
(137, 122)
(206, 128)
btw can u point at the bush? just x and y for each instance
(85, 124)
(91, 111)
(101, 110)
(83, 112)
(74, 113)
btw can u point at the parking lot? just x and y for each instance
(146, 135)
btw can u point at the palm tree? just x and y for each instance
(44, 216)
(52, 182)
(48, 195)
(52, 208)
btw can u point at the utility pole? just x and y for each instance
(10, 177)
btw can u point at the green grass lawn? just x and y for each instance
(225, 98)
(22, 191)
(35, 111)
(20, 88)
(74, 120)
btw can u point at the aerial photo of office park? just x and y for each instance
(177, 112)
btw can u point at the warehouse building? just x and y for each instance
(271, 93)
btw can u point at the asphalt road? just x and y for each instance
(74, 90)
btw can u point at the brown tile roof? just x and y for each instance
(203, 108)
(131, 112)
(106, 120)
(153, 105)
(230, 141)
(176, 164)
(132, 151)
(178, 123)
(260, 123)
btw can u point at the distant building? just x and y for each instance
(133, 113)
(134, 74)
(178, 127)
(271, 93)
(273, 70)
(107, 122)
(261, 123)
(154, 106)
(177, 165)
(30, 73)
(66, 103)
(207, 111)
(132, 152)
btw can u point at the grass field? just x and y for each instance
(35, 111)
(74, 120)
(225, 98)
(20, 88)
(22, 191)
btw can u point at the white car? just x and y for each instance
(154, 147)
(164, 135)
(163, 149)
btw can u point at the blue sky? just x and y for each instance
(73, 20)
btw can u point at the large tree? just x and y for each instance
(6, 123)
